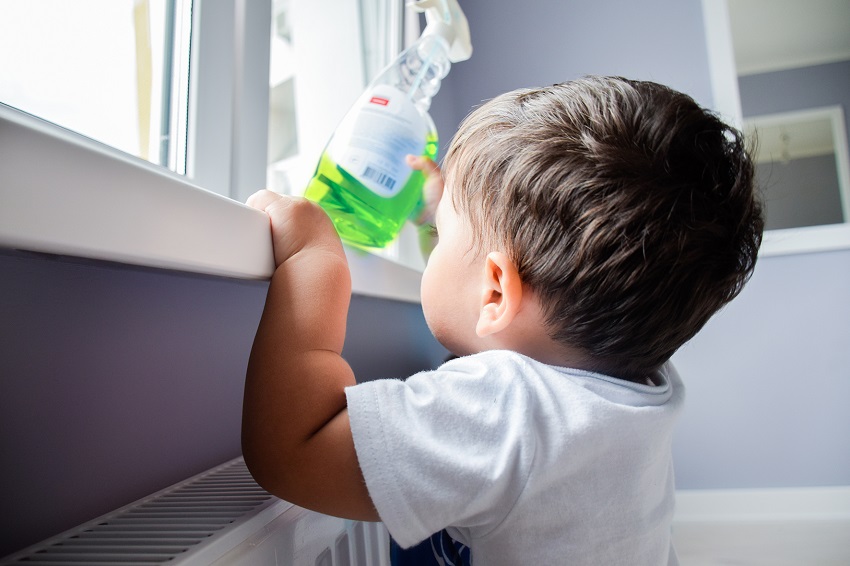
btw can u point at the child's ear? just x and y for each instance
(501, 294)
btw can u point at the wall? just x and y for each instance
(118, 381)
(550, 41)
(768, 377)
(768, 381)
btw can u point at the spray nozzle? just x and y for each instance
(446, 19)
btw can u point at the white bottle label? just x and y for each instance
(374, 138)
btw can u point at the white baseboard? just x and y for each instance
(746, 505)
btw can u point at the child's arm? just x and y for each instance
(296, 436)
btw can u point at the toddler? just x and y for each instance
(585, 232)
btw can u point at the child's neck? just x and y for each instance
(552, 353)
(527, 334)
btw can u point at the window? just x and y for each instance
(113, 70)
(118, 72)
(323, 54)
(71, 190)
(314, 81)
(772, 70)
(75, 191)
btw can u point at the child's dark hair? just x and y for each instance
(627, 208)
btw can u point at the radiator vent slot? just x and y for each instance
(220, 518)
(161, 528)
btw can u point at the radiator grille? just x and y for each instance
(161, 528)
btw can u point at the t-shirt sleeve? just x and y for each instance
(451, 447)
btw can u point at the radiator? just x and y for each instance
(220, 517)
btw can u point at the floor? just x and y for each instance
(763, 543)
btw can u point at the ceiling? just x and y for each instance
(772, 35)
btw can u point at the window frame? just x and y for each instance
(228, 104)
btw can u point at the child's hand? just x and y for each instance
(297, 224)
(432, 192)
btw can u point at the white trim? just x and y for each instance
(180, 94)
(374, 276)
(780, 504)
(794, 63)
(65, 194)
(211, 92)
(842, 157)
(249, 149)
(721, 61)
(810, 239)
(229, 96)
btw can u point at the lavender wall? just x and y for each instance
(117, 381)
(768, 381)
(543, 42)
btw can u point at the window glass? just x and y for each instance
(113, 70)
(322, 56)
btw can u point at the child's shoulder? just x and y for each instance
(499, 368)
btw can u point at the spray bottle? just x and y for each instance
(362, 180)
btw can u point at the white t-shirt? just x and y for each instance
(524, 463)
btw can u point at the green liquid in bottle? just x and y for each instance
(361, 216)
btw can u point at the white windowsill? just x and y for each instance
(68, 195)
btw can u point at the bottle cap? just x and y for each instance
(446, 19)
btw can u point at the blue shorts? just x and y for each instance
(439, 550)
